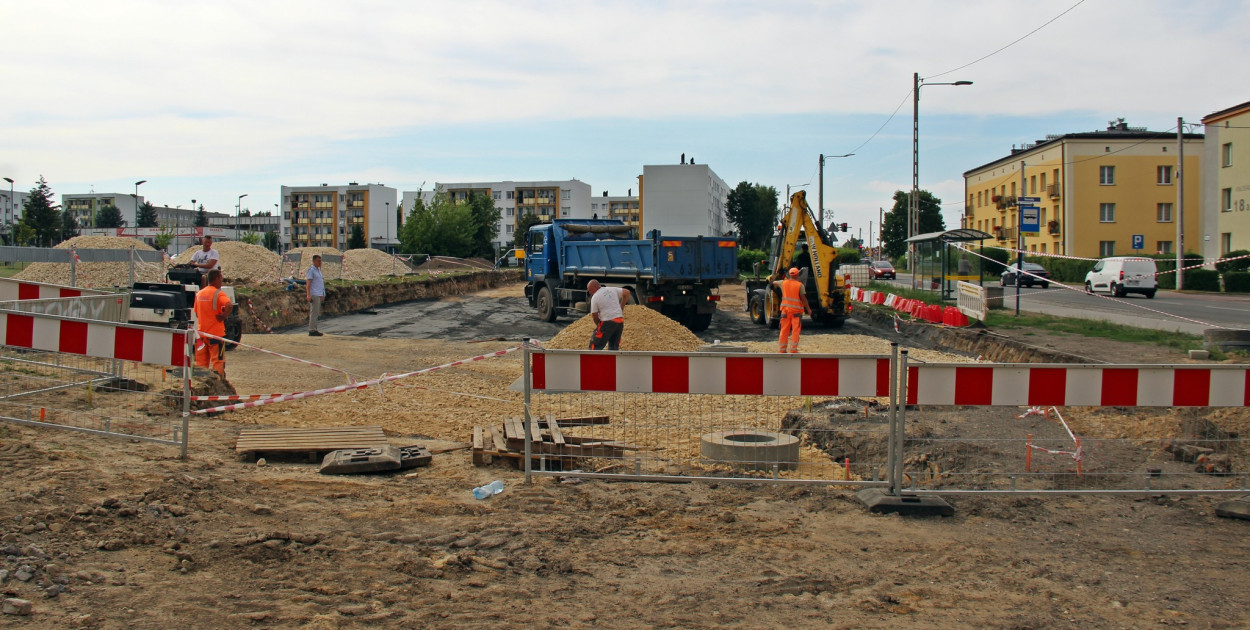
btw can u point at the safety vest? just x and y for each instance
(791, 300)
(206, 310)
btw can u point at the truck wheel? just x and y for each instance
(832, 321)
(756, 309)
(546, 306)
(699, 322)
(769, 320)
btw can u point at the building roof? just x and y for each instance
(958, 235)
(1225, 113)
(1117, 130)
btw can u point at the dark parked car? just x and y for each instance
(882, 269)
(1033, 274)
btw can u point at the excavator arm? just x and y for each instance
(798, 221)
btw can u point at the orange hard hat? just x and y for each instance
(794, 272)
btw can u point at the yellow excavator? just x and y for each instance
(827, 292)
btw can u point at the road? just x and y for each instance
(1189, 312)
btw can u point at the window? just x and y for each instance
(566, 195)
(1226, 243)
(509, 211)
(1043, 181)
(1164, 175)
(1106, 248)
(509, 194)
(495, 195)
(1226, 200)
(1106, 175)
(1226, 154)
(979, 203)
(1106, 213)
(564, 211)
(1163, 213)
(1043, 248)
(1013, 189)
(1163, 247)
(1033, 185)
(509, 228)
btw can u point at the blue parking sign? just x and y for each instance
(1139, 241)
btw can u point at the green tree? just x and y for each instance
(24, 234)
(201, 217)
(485, 224)
(69, 226)
(41, 215)
(442, 228)
(752, 208)
(250, 237)
(894, 230)
(163, 238)
(357, 239)
(272, 243)
(523, 228)
(147, 215)
(108, 217)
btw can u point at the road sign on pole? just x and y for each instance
(1139, 241)
(1030, 219)
(1028, 200)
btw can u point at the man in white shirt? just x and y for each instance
(207, 259)
(315, 290)
(607, 309)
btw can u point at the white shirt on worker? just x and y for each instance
(200, 256)
(607, 303)
(316, 283)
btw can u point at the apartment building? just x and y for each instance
(626, 209)
(11, 204)
(1097, 190)
(84, 206)
(1226, 180)
(683, 199)
(324, 216)
(548, 199)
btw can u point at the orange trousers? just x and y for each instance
(791, 326)
(210, 353)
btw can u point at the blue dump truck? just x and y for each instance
(678, 276)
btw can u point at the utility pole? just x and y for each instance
(820, 194)
(1180, 202)
(1019, 240)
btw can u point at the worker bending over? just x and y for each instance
(212, 307)
(793, 307)
(607, 309)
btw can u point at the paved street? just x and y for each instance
(1169, 310)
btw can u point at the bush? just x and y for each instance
(998, 260)
(748, 257)
(1237, 282)
(1234, 265)
(849, 256)
(1202, 280)
(1166, 263)
(1064, 269)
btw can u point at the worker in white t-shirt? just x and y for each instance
(607, 309)
(207, 258)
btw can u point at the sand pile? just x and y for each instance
(98, 275)
(645, 329)
(369, 263)
(241, 261)
(330, 270)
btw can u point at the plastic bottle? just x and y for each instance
(488, 490)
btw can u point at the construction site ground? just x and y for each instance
(115, 534)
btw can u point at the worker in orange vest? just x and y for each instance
(212, 307)
(793, 307)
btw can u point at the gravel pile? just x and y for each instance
(645, 329)
(96, 275)
(369, 263)
(241, 261)
(328, 269)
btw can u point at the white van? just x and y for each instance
(1122, 275)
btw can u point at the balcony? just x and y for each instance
(1004, 201)
(1005, 233)
(1053, 227)
(1053, 191)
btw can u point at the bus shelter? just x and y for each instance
(941, 263)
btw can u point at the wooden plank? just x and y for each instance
(311, 439)
(536, 433)
(501, 444)
(583, 421)
(511, 429)
(477, 438)
(557, 437)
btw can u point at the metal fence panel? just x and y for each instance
(107, 308)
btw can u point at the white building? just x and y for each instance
(549, 199)
(11, 204)
(323, 216)
(683, 200)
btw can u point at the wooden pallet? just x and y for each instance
(315, 442)
(547, 439)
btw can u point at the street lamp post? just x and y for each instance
(8, 215)
(820, 200)
(137, 184)
(238, 214)
(913, 205)
(387, 243)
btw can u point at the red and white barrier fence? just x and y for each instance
(1079, 385)
(11, 289)
(51, 333)
(706, 373)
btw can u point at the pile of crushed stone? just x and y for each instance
(645, 330)
(241, 261)
(95, 275)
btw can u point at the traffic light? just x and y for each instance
(843, 227)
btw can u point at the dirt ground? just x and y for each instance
(102, 533)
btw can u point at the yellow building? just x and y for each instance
(1097, 190)
(1226, 180)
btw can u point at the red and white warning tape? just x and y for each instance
(352, 386)
(238, 397)
(260, 323)
(351, 378)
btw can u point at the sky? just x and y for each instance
(212, 100)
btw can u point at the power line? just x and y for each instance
(1017, 41)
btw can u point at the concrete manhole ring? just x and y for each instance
(751, 449)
